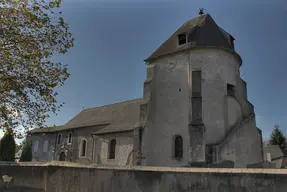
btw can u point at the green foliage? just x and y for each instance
(277, 138)
(26, 154)
(7, 147)
(31, 32)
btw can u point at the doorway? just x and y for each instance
(62, 156)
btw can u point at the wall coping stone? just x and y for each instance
(150, 168)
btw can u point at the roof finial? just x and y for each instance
(201, 11)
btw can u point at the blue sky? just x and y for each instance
(113, 37)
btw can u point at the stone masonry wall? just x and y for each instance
(123, 151)
(169, 92)
(242, 146)
(96, 151)
(79, 178)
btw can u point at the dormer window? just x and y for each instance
(182, 39)
(232, 42)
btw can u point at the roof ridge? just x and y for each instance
(126, 101)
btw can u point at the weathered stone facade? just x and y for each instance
(170, 90)
(97, 147)
(194, 109)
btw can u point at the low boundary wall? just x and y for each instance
(70, 177)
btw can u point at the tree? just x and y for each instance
(7, 146)
(26, 154)
(277, 138)
(30, 34)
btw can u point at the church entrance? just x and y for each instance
(62, 156)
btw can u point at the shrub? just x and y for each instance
(7, 146)
(26, 154)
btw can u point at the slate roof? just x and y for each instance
(201, 31)
(116, 117)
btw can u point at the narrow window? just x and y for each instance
(70, 138)
(45, 147)
(230, 90)
(83, 148)
(59, 137)
(178, 147)
(112, 150)
(209, 158)
(182, 39)
(196, 101)
(196, 83)
(36, 146)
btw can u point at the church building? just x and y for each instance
(194, 109)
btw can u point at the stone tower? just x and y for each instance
(197, 108)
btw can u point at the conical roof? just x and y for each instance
(201, 31)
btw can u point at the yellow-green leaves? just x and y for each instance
(30, 35)
(52, 5)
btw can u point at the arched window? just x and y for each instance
(83, 148)
(36, 146)
(69, 138)
(112, 149)
(59, 138)
(178, 147)
(45, 146)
